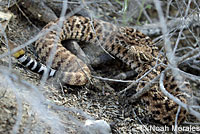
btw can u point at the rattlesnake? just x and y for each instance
(129, 45)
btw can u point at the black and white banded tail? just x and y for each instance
(35, 66)
(30, 63)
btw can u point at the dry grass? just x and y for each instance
(29, 107)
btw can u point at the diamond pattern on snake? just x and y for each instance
(129, 45)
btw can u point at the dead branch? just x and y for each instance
(190, 55)
(153, 29)
(39, 10)
(185, 106)
(144, 90)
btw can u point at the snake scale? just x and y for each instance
(129, 45)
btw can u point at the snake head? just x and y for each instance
(139, 45)
(141, 54)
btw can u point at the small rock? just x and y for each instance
(97, 126)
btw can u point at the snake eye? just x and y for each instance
(145, 57)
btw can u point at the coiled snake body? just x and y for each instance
(131, 46)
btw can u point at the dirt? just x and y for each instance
(99, 100)
(101, 103)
